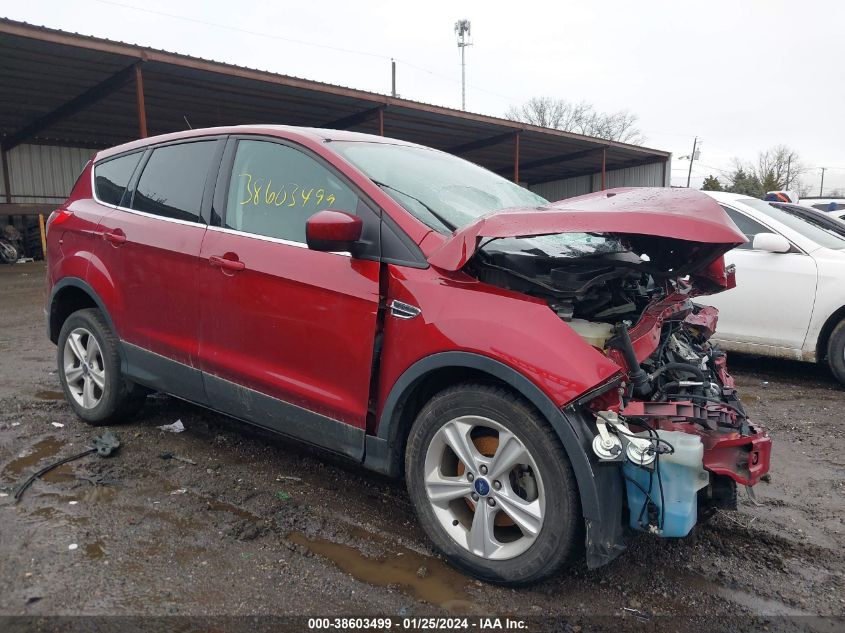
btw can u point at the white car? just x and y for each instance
(839, 215)
(826, 205)
(789, 299)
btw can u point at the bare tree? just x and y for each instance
(804, 189)
(779, 165)
(777, 168)
(581, 118)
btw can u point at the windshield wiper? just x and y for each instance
(436, 215)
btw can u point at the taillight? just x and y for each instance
(57, 217)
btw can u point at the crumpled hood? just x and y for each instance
(681, 230)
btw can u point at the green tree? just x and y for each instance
(711, 183)
(770, 182)
(744, 183)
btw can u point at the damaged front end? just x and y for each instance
(670, 424)
(675, 423)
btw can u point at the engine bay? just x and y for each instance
(601, 289)
(673, 419)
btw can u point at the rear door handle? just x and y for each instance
(116, 237)
(226, 264)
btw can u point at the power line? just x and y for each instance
(241, 30)
(292, 40)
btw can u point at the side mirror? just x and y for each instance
(771, 242)
(331, 230)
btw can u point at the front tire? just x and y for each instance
(89, 371)
(836, 352)
(492, 486)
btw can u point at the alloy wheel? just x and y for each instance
(484, 487)
(84, 369)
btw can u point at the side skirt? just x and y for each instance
(188, 383)
(285, 418)
(162, 374)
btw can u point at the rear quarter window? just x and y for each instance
(112, 176)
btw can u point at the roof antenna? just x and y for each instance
(190, 127)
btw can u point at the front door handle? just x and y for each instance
(116, 237)
(225, 263)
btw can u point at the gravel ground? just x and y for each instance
(225, 520)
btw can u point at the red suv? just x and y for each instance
(539, 373)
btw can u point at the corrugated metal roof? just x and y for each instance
(44, 69)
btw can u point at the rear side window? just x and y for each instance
(112, 176)
(173, 181)
(828, 207)
(274, 189)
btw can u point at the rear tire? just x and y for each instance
(836, 352)
(8, 253)
(532, 522)
(89, 371)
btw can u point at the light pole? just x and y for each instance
(462, 31)
(821, 186)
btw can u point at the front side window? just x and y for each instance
(275, 188)
(111, 177)
(821, 230)
(173, 181)
(749, 227)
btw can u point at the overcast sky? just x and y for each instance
(743, 75)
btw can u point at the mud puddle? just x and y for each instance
(48, 447)
(95, 550)
(46, 394)
(221, 506)
(425, 578)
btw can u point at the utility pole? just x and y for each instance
(691, 158)
(393, 78)
(462, 31)
(788, 164)
(821, 186)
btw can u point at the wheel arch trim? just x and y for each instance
(564, 427)
(823, 339)
(80, 284)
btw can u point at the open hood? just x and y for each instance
(681, 230)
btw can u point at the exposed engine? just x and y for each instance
(601, 295)
(673, 421)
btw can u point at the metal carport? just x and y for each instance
(63, 90)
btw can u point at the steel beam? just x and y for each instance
(13, 208)
(603, 168)
(563, 158)
(7, 182)
(139, 97)
(92, 95)
(355, 119)
(481, 143)
(633, 163)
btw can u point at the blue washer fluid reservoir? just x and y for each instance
(682, 475)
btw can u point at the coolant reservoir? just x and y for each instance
(596, 334)
(681, 474)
